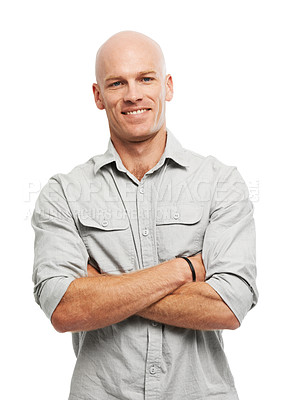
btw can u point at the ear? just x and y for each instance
(169, 88)
(98, 97)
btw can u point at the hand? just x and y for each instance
(92, 272)
(198, 265)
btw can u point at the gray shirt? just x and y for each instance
(102, 214)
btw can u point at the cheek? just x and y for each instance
(161, 105)
(110, 101)
(112, 108)
(160, 96)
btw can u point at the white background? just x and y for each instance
(226, 59)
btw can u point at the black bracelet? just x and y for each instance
(191, 267)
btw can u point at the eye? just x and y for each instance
(116, 84)
(146, 79)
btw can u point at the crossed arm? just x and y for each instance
(164, 293)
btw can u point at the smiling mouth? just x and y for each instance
(134, 112)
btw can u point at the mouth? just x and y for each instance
(135, 112)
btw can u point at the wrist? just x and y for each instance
(198, 266)
(191, 267)
(183, 267)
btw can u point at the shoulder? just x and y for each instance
(77, 174)
(208, 165)
(209, 174)
(63, 186)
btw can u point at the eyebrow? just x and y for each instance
(115, 77)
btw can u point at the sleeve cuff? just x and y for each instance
(235, 292)
(52, 292)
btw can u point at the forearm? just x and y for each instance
(95, 302)
(192, 306)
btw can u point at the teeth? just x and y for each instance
(136, 112)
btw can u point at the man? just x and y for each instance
(109, 242)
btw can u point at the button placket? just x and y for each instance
(144, 209)
(153, 369)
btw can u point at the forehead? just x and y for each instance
(122, 59)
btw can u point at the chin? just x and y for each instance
(137, 132)
(140, 136)
(146, 130)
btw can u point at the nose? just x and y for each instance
(133, 92)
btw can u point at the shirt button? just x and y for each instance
(152, 370)
(141, 190)
(176, 215)
(105, 223)
(145, 232)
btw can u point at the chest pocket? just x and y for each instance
(108, 242)
(179, 230)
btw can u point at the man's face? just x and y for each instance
(132, 88)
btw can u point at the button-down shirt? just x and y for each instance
(100, 213)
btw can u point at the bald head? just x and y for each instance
(125, 46)
(132, 87)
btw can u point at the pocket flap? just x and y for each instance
(179, 214)
(103, 223)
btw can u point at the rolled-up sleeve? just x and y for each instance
(60, 255)
(229, 244)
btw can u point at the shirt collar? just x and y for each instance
(173, 150)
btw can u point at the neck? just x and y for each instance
(141, 156)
